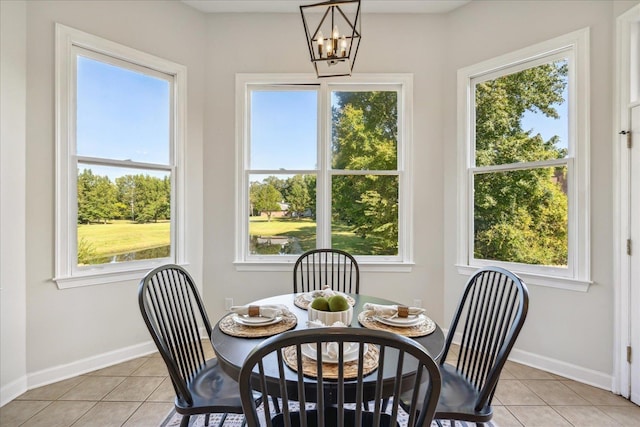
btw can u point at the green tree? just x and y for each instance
(277, 183)
(297, 195)
(127, 195)
(365, 138)
(265, 198)
(520, 216)
(97, 197)
(147, 198)
(310, 183)
(155, 201)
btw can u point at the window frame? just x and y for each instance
(403, 83)
(574, 46)
(68, 42)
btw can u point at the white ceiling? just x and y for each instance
(291, 6)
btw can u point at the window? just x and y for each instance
(523, 174)
(119, 142)
(323, 165)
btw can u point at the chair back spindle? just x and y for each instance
(174, 313)
(490, 315)
(339, 396)
(318, 268)
(172, 309)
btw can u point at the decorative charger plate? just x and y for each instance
(401, 322)
(330, 370)
(230, 326)
(257, 321)
(304, 299)
(350, 353)
(368, 319)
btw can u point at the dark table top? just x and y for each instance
(232, 351)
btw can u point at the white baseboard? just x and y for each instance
(564, 369)
(13, 390)
(574, 372)
(82, 366)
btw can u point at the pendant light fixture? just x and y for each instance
(333, 35)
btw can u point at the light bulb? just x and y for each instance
(343, 46)
(320, 43)
(329, 47)
(334, 39)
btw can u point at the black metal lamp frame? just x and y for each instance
(337, 60)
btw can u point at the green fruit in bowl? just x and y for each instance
(338, 303)
(320, 303)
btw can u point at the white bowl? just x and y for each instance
(328, 318)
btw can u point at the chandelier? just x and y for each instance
(333, 35)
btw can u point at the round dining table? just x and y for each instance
(231, 351)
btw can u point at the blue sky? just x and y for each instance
(548, 127)
(123, 114)
(283, 129)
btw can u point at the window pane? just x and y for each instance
(282, 218)
(522, 117)
(364, 214)
(364, 130)
(123, 214)
(122, 114)
(284, 128)
(521, 216)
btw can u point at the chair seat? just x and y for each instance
(488, 319)
(212, 391)
(458, 398)
(331, 418)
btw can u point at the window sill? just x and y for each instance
(391, 267)
(103, 275)
(569, 284)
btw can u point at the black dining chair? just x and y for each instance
(173, 312)
(490, 314)
(342, 384)
(318, 268)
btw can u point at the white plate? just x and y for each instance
(256, 320)
(401, 321)
(350, 354)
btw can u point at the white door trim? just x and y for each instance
(622, 104)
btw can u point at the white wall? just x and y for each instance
(76, 329)
(13, 320)
(566, 331)
(244, 44)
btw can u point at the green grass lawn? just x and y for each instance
(304, 229)
(123, 236)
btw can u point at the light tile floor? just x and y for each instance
(139, 393)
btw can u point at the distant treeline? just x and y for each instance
(139, 198)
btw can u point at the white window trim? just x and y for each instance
(577, 276)
(401, 263)
(66, 274)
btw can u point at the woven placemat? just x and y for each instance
(301, 301)
(330, 370)
(367, 320)
(233, 328)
